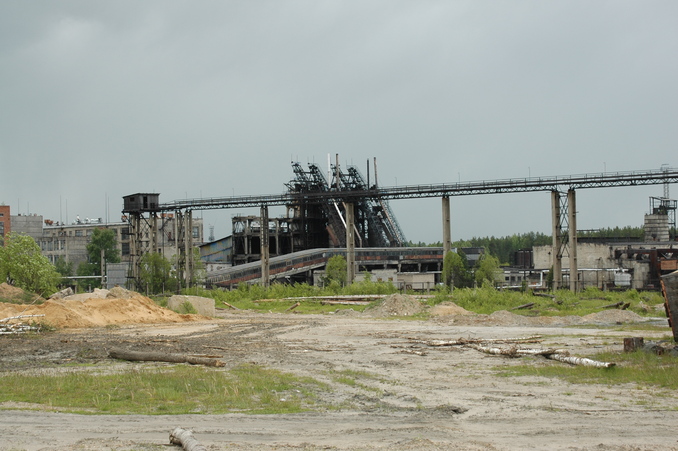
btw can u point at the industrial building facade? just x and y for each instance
(69, 241)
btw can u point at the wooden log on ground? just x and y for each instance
(510, 352)
(515, 352)
(231, 306)
(185, 439)
(466, 341)
(138, 356)
(5, 320)
(583, 361)
(345, 302)
(615, 305)
(294, 306)
(524, 306)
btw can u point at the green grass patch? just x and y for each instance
(488, 300)
(484, 300)
(644, 369)
(168, 391)
(245, 296)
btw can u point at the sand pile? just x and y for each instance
(14, 294)
(613, 316)
(97, 311)
(395, 305)
(449, 308)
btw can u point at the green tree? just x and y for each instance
(23, 265)
(487, 269)
(455, 270)
(64, 268)
(92, 270)
(103, 240)
(156, 274)
(335, 271)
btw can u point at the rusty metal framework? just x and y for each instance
(319, 212)
(519, 185)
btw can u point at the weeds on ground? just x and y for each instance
(646, 370)
(485, 300)
(171, 391)
(246, 296)
(488, 300)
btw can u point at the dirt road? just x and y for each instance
(449, 398)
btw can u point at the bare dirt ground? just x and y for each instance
(449, 398)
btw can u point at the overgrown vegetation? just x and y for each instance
(488, 300)
(484, 300)
(168, 391)
(640, 368)
(23, 265)
(103, 243)
(246, 296)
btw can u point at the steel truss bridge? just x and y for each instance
(563, 203)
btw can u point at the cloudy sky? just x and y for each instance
(100, 99)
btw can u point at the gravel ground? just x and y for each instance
(412, 396)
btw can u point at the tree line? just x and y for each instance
(504, 248)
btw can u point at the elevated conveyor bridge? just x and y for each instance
(563, 203)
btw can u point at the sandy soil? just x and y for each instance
(448, 398)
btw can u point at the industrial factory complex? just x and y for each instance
(341, 212)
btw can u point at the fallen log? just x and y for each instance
(185, 439)
(515, 352)
(524, 306)
(413, 351)
(466, 341)
(511, 352)
(553, 354)
(345, 302)
(293, 306)
(139, 356)
(5, 320)
(231, 306)
(583, 361)
(615, 305)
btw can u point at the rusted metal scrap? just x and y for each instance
(669, 284)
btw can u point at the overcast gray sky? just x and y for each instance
(100, 99)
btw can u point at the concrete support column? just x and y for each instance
(447, 232)
(556, 250)
(572, 240)
(154, 233)
(188, 231)
(265, 251)
(350, 242)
